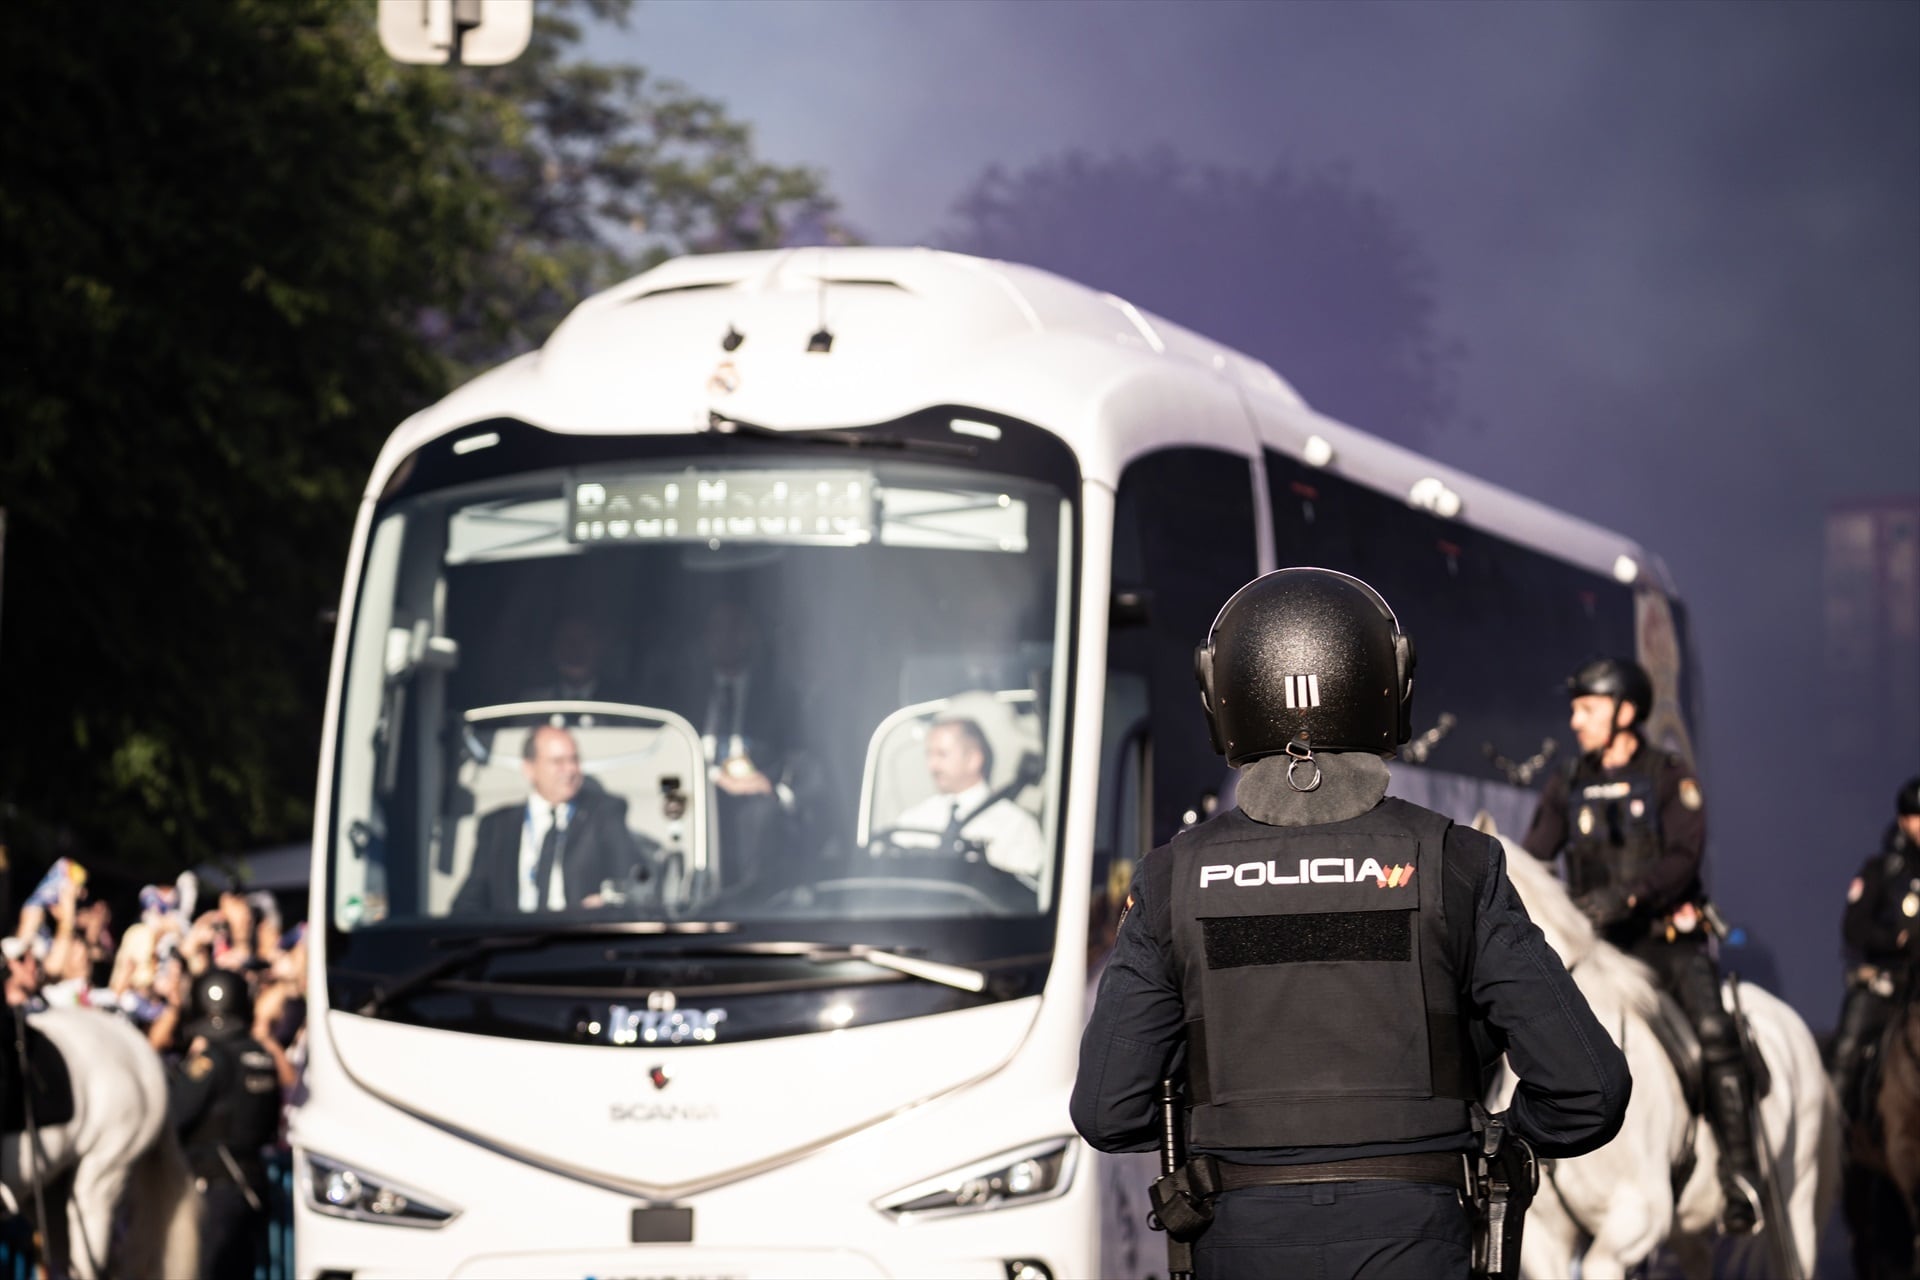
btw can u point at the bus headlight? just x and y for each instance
(342, 1191)
(1038, 1172)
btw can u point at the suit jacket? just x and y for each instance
(768, 719)
(597, 846)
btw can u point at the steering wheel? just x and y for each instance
(917, 842)
(923, 857)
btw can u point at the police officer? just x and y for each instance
(1631, 821)
(1331, 969)
(1882, 929)
(226, 1108)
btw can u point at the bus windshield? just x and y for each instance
(766, 690)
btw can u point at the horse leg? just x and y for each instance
(1631, 1229)
(163, 1236)
(1547, 1248)
(97, 1185)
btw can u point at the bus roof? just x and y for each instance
(916, 328)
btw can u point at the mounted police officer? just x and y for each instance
(1334, 971)
(1882, 929)
(226, 1108)
(1631, 821)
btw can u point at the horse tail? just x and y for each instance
(163, 1238)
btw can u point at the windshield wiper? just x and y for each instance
(951, 975)
(721, 424)
(461, 956)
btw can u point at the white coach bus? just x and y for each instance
(767, 1019)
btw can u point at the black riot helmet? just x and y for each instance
(1908, 801)
(1621, 679)
(1309, 656)
(222, 1006)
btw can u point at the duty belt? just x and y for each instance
(1445, 1168)
(1183, 1200)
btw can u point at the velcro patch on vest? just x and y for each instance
(1234, 942)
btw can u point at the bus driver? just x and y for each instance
(963, 805)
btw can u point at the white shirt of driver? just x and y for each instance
(533, 833)
(1008, 833)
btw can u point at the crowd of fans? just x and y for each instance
(65, 953)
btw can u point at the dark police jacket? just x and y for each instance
(1309, 1031)
(225, 1105)
(1883, 902)
(1641, 828)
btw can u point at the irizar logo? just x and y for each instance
(1249, 875)
(663, 1022)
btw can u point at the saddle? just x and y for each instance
(52, 1084)
(1675, 1033)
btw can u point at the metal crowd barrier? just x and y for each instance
(18, 1260)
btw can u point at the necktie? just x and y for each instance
(549, 863)
(954, 824)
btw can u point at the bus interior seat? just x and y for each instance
(630, 761)
(896, 766)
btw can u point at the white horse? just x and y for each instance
(1622, 1195)
(117, 1140)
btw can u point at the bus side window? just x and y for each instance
(1184, 535)
(1497, 625)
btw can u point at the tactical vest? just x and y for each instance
(1898, 902)
(244, 1115)
(1321, 998)
(1613, 821)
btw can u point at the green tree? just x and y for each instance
(608, 170)
(242, 244)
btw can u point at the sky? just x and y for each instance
(1676, 246)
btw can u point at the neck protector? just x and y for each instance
(1351, 782)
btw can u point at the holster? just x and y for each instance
(1505, 1177)
(1183, 1200)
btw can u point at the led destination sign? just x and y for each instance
(826, 508)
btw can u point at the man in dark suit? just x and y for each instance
(748, 721)
(554, 852)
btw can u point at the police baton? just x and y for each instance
(1172, 1156)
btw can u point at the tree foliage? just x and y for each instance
(607, 170)
(242, 244)
(1305, 270)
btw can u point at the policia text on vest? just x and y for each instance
(1333, 974)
